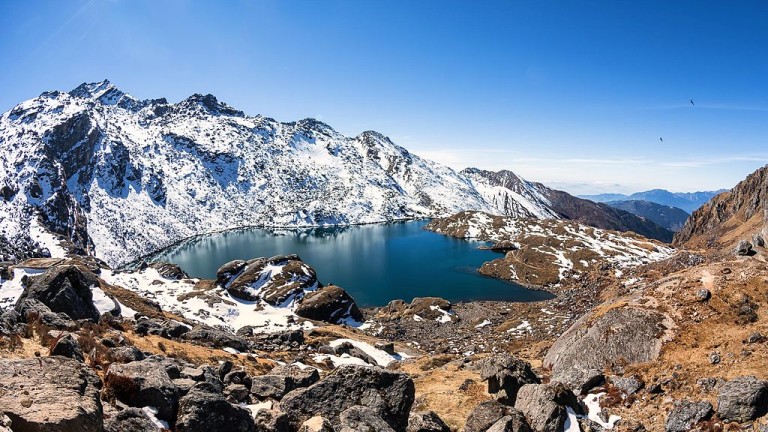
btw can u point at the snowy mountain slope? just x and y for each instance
(515, 196)
(120, 177)
(510, 194)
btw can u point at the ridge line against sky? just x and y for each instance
(574, 94)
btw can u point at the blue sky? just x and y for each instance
(572, 93)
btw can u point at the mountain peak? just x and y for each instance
(211, 104)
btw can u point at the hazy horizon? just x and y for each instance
(588, 97)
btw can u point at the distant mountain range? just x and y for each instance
(671, 218)
(117, 177)
(688, 201)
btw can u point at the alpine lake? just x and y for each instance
(373, 263)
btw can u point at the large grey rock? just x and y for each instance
(129, 420)
(505, 375)
(169, 270)
(50, 394)
(362, 419)
(30, 309)
(545, 405)
(216, 338)
(686, 413)
(592, 344)
(390, 394)
(282, 380)
(485, 415)
(268, 420)
(201, 410)
(64, 289)
(67, 346)
(742, 399)
(330, 304)
(426, 421)
(143, 383)
(125, 354)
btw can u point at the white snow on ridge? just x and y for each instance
(46, 239)
(215, 307)
(148, 173)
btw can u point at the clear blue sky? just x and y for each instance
(572, 93)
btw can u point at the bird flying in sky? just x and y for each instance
(692, 102)
(661, 139)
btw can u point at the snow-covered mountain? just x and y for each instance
(121, 177)
(118, 177)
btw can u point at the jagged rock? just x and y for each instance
(224, 368)
(742, 399)
(274, 280)
(129, 420)
(184, 385)
(390, 394)
(511, 423)
(594, 343)
(353, 351)
(686, 414)
(329, 304)
(268, 420)
(316, 424)
(202, 410)
(9, 321)
(236, 393)
(283, 379)
(426, 421)
(52, 394)
(169, 271)
(744, 248)
(67, 346)
(64, 289)
(362, 419)
(485, 415)
(228, 271)
(505, 375)
(125, 354)
(387, 347)
(160, 327)
(215, 338)
(143, 383)
(238, 377)
(544, 405)
(31, 309)
(628, 385)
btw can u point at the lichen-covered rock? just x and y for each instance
(329, 304)
(50, 394)
(685, 414)
(742, 399)
(216, 338)
(485, 415)
(511, 423)
(129, 420)
(316, 424)
(390, 394)
(545, 405)
(594, 343)
(362, 419)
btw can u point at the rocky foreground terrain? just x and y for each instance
(672, 344)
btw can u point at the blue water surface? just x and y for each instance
(373, 263)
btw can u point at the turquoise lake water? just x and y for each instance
(373, 263)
